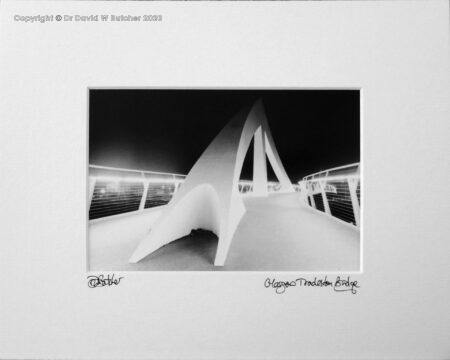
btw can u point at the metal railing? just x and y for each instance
(114, 191)
(336, 192)
(246, 186)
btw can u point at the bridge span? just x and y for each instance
(277, 233)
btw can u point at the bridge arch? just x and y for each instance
(213, 182)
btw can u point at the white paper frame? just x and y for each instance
(396, 51)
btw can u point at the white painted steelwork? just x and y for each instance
(149, 184)
(335, 191)
(209, 198)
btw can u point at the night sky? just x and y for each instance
(167, 130)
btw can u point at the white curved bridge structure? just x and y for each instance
(141, 220)
(209, 198)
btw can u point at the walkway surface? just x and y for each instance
(277, 233)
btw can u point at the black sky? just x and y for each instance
(167, 130)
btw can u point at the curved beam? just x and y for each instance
(209, 198)
(199, 209)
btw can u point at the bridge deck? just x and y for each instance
(277, 233)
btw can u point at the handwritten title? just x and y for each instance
(339, 284)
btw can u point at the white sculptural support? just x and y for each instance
(259, 164)
(209, 198)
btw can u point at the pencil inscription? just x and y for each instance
(338, 285)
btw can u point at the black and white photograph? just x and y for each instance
(209, 179)
(220, 180)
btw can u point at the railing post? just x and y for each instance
(311, 195)
(324, 197)
(144, 193)
(352, 185)
(92, 181)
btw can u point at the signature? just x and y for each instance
(338, 285)
(100, 280)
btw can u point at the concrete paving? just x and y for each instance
(277, 233)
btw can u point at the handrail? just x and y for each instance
(336, 195)
(111, 194)
(132, 170)
(331, 169)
